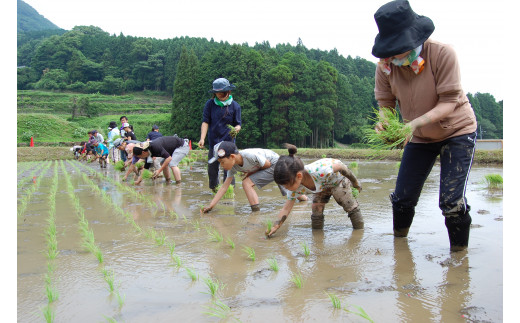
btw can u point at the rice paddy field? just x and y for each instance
(93, 248)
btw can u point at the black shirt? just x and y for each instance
(165, 146)
(131, 135)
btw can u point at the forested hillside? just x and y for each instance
(288, 93)
(28, 19)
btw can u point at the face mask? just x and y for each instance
(408, 59)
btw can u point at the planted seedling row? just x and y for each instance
(52, 249)
(89, 240)
(159, 238)
(33, 188)
(31, 176)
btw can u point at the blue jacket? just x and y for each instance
(218, 118)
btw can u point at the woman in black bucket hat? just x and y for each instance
(219, 112)
(421, 77)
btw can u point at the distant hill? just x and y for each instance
(28, 19)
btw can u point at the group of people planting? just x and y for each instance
(418, 75)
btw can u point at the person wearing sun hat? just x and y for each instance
(219, 112)
(422, 77)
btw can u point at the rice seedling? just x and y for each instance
(173, 214)
(297, 279)
(269, 224)
(220, 310)
(395, 132)
(336, 303)
(213, 285)
(214, 235)
(171, 246)
(361, 313)
(110, 319)
(120, 166)
(48, 314)
(139, 164)
(99, 255)
(306, 250)
(160, 238)
(177, 260)
(494, 181)
(109, 278)
(230, 242)
(273, 264)
(232, 131)
(196, 225)
(146, 174)
(120, 298)
(192, 274)
(353, 165)
(51, 292)
(250, 252)
(355, 192)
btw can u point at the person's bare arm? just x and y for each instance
(221, 191)
(282, 216)
(343, 170)
(203, 132)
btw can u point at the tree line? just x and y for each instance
(308, 97)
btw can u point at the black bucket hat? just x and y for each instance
(221, 85)
(400, 29)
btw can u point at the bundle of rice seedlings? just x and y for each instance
(494, 181)
(232, 131)
(120, 166)
(230, 192)
(139, 164)
(394, 134)
(355, 192)
(146, 174)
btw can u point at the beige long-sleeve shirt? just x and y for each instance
(417, 94)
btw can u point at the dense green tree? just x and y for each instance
(186, 110)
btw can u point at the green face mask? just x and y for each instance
(224, 103)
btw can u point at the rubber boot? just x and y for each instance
(402, 221)
(317, 220)
(255, 208)
(458, 231)
(356, 218)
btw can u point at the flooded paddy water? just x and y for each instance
(414, 279)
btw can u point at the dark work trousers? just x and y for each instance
(456, 157)
(123, 155)
(213, 169)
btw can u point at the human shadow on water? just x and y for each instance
(409, 300)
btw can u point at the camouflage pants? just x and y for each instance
(343, 196)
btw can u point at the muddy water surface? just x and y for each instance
(414, 279)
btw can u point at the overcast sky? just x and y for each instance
(474, 27)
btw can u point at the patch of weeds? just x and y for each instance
(250, 252)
